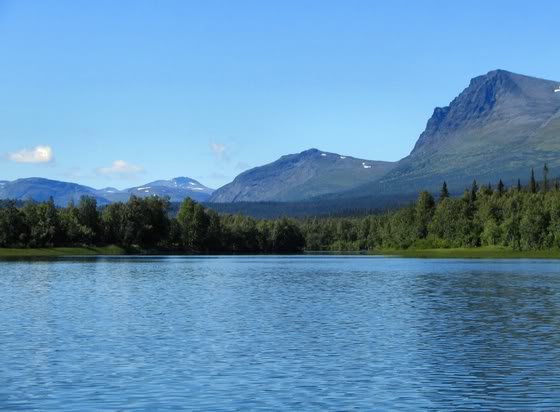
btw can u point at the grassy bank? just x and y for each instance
(488, 252)
(61, 251)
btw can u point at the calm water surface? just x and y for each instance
(279, 333)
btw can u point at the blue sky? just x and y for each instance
(119, 93)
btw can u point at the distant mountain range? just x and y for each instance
(39, 189)
(502, 125)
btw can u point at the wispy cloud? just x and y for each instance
(38, 154)
(220, 150)
(121, 169)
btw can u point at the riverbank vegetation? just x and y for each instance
(516, 218)
(484, 220)
(143, 225)
(61, 251)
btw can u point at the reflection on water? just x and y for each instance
(279, 333)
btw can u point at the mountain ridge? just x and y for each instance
(499, 127)
(477, 101)
(300, 176)
(41, 189)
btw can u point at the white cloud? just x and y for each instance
(121, 169)
(220, 151)
(39, 154)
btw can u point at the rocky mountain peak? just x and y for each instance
(497, 95)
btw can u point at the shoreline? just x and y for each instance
(61, 251)
(486, 252)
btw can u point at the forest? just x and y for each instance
(518, 217)
(144, 224)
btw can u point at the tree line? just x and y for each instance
(518, 217)
(144, 223)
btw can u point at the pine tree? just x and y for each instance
(444, 194)
(501, 187)
(533, 182)
(519, 185)
(471, 199)
(545, 178)
(474, 190)
(425, 208)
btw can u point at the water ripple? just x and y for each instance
(279, 333)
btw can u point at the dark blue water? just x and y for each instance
(279, 333)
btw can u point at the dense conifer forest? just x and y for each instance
(520, 218)
(517, 217)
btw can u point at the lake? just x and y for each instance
(287, 333)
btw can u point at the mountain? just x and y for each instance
(499, 127)
(301, 176)
(39, 189)
(177, 189)
(502, 125)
